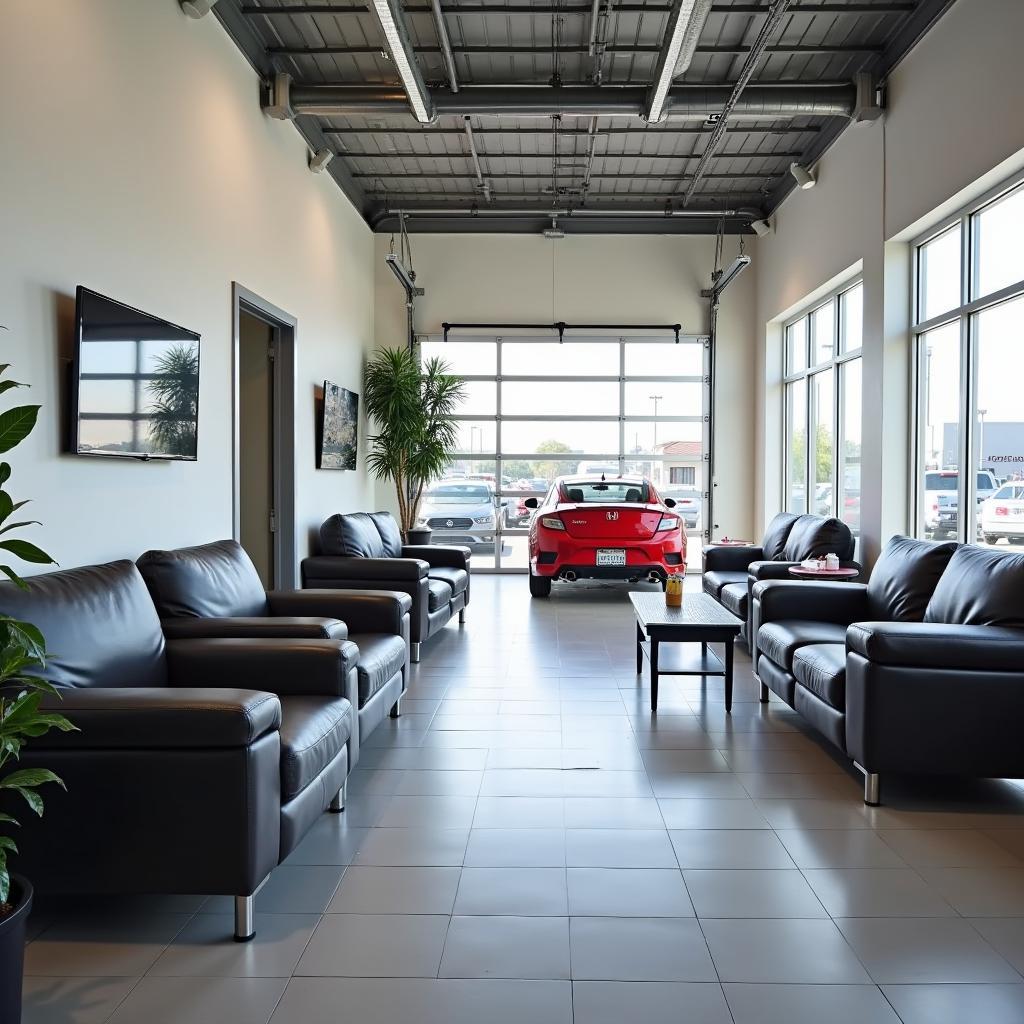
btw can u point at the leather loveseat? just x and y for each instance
(365, 551)
(213, 590)
(731, 570)
(199, 764)
(921, 671)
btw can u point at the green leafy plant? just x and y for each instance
(412, 405)
(172, 425)
(22, 650)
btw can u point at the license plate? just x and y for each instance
(611, 556)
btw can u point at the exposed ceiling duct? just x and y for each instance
(446, 45)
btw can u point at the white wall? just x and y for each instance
(593, 279)
(952, 130)
(135, 160)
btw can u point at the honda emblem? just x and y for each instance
(612, 516)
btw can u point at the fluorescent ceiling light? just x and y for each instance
(685, 22)
(803, 177)
(389, 12)
(554, 231)
(731, 272)
(405, 279)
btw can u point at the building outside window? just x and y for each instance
(969, 365)
(823, 404)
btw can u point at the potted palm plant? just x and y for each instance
(22, 651)
(412, 405)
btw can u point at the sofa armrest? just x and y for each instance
(160, 717)
(263, 627)
(363, 611)
(440, 556)
(284, 667)
(730, 557)
(822, 602)
(938, 645)
(343, 567)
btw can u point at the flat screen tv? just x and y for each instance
(135, 392)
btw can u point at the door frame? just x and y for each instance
(284, 328)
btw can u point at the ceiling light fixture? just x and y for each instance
(720, 280)
(761, 227)
(685, 22)
(554, 231)
(804, 178)
(320, 159)
(196, 8)
(389, 13)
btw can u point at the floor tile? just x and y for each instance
(375, 946)
(291, 889)
(877, 892)
(72, 1000)
(669, 784)
(414, 847)
(838, 848)
(649, 1002)
(712, 814)
(618, 848)
(1005, 935)
(729, 848)
(515, 848)
(507, 947)
(752, 893)
(957, 1004)
(440, 783)
(396, 890)
(948, 848)
(639, 949)
(615, 812)
(829, 813)
(627, 892)
(519, 812)
(200, 1001)
(980, 892)
(423, 811)
(512, 892)
(809, 1004)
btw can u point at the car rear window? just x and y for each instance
(1015, 491)
(614, 490)
(481, 491)
(940, 482)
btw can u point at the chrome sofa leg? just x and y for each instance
(245, 918)
(872, 787)
(337, 805)
(764, 694)
(462, 616)
(414, 653)
(396, 711)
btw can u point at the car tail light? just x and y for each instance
(668, 523)
(552, 523)
(1002, 510)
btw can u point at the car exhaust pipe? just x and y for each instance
(653, 577)
(569, 575)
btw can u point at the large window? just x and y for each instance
(969, 358)
(823, 408)
(539, 408)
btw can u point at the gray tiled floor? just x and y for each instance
(527, 842)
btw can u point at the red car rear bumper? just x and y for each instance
(554, 555)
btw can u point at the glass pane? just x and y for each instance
(940, 431)
(999, 437)
(559, 437)
(851, 309)
(480, 400)
(997, 231)
(823, 330)
(461, 508)
(571, 359)
(561, 398)
(477, 437)
(796, 447)
(675, 439)
(664, 398)
(938, 271)
(796, 347)
(822, 417)
(470, 358)
(656, 359)
(850, 445)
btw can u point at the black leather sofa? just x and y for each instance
(199, 764)
(365, 551)
(213, 590)
(921, 671)
(731, 570)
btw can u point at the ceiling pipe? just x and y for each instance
(747, 214)
(761, 101)
(446, 45)
(481, 181)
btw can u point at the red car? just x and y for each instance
(596, 528)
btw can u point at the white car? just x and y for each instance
(941, 508)
(460, 512)
(1002, 515)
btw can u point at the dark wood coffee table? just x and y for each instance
(701, 620)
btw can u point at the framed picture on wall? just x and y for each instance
(339, 436)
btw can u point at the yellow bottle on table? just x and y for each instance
(674, 592)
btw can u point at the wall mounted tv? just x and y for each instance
(135, 392)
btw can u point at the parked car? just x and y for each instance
(590, 527)
(689, 504)
(1002, 515)
(460, 512)
(941, 499)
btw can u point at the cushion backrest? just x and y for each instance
(353, 535)
(390, 535)
(209, 580)
(904, 578)
(775, 535)
(811, 536)
(980, 588)
(98, 621)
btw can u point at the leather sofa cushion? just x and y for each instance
(381, 655)
(390, 535)
(313, 731)
(779, 640)
(439, 594)
(776, 534)
(714, 581)
(904, 578)
(355, 535)
(457, 579)
(261, 627)
(811, 536)
(939, 645)
(98, 620)
(821, 668)
(734, 597)
(206, 581)
(980, 588)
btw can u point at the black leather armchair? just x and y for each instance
(365, 550)
(213, 591)
(199, 764)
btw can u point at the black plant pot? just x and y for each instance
(420, 535)
(12, 949)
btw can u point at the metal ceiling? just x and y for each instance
(538, 104)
